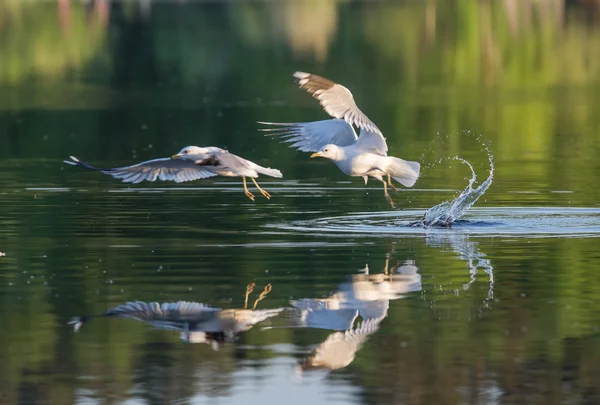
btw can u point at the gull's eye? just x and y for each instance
(186, 151)
(325, 150)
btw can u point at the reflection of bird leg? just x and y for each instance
(262, 295)
(248, 193)
(387, 196)
(390, 183)
(263, 192)
(249, 289)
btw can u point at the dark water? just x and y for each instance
(500, 308)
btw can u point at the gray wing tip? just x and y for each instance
(74, 161)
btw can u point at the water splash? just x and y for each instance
(446, 213)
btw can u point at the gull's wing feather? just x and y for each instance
(373, 142)
(336, 100)
(177, 170)
(231, 162)
(339, 349)
(228, 164)
(312, 136)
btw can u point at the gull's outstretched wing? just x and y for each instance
(312, 136)
(338, 102)
(177, 170)
(335, 99)
(373, 142)
(339, 349)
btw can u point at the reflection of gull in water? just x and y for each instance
(335, 139)
(339, 349)
(365, 295)
(198, 323)
(191, 163)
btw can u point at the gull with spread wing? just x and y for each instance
(335, 139)
(191, 163)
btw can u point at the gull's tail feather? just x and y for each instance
(267, 171)
(403, 171)
(80, 163)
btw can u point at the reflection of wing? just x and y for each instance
(312, 313)
(174, 312)
(339, 349)
(177, 170)
(312, 136)
(374, 309)
(336, 100)
(169, 315)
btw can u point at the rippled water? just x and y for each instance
(192, 293)
(365, 295)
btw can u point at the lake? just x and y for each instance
(359, 303)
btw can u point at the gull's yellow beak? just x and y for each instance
(176, 156)
(316, 154)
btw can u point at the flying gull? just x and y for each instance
(191, 163)
(335, 139)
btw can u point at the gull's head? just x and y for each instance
(330, 151)
(191, 153)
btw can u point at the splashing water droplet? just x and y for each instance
(446, 213)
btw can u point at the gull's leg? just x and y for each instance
(390, 183)
(248, 193)
(262, 295)
(249, 289)
(263, 192)
(387, 196)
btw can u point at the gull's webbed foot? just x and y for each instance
(263, 192)
(248, 193)
(249, 289)
(387, 197)
(262, 295)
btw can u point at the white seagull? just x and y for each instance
(191, 163)
(335, 139)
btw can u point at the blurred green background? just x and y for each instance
(123, 81)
